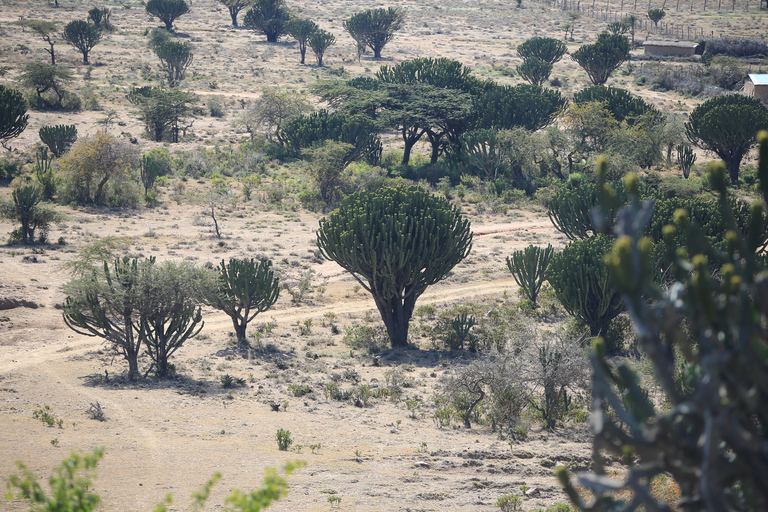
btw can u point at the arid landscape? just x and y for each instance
(170, 436)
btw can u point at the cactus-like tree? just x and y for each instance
(13, 114)
(58, 138)
(100, 16)
(358, 130)
(656, 15)
(44, 173)
(529, 268)
(26, 210)
(169, 311)
(603, 57)
(619, 102)
(234, 7)
(167, 11)
(301, 30)
(685, 159)
(395, 242)
(175, 58)
(527, 106)
(570, 210)
(704, 335)
(268, 17)
(727, 125)
(534, 70)
(244, 288)
(137, 304)
(83, 36)
(583, 284)
(543, 48)
(320, 41)
(375, 27)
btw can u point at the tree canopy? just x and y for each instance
(603, 57)
(269, 17)
(727, 125)
(375, 27)
(395, 242)
(13, 114)
(167, 11)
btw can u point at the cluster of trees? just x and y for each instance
(139, 306)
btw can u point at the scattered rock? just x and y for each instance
(422, 464)
(9, 303)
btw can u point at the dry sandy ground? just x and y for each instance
(171, 437)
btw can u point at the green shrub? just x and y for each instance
(284, 440)
(365, 338)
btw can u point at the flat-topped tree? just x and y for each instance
(83, 36)
(269, 17)
(375, 27)
(46, 30)
(234, 7)
(395, 242)
(167, 10)
(244, 289)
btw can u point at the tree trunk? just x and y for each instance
(233, 14)
(377, 53)
(472, 407)
(410, 137)
(434, 139)
(303, 50)
(85, 57)
(240, 326)
(732, 163)
(396, 314)
(169, 25)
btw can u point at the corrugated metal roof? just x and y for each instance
(673, 44)
(759, 79)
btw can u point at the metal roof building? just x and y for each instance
(757, 86)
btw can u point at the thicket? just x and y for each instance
(704, 333)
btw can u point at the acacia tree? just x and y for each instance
(43, 78)
(167, 11)
(320, 41)
(165, 112)
(727, 125)
(375, 27)
(269, 17)
(301, 30)
(395, 242)
(272, 111)
(603, 57)
(175, 58)
(83, 36)
(244, 288)
(93, 163)
(234, 7)
(13, 114)
(46, 30)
